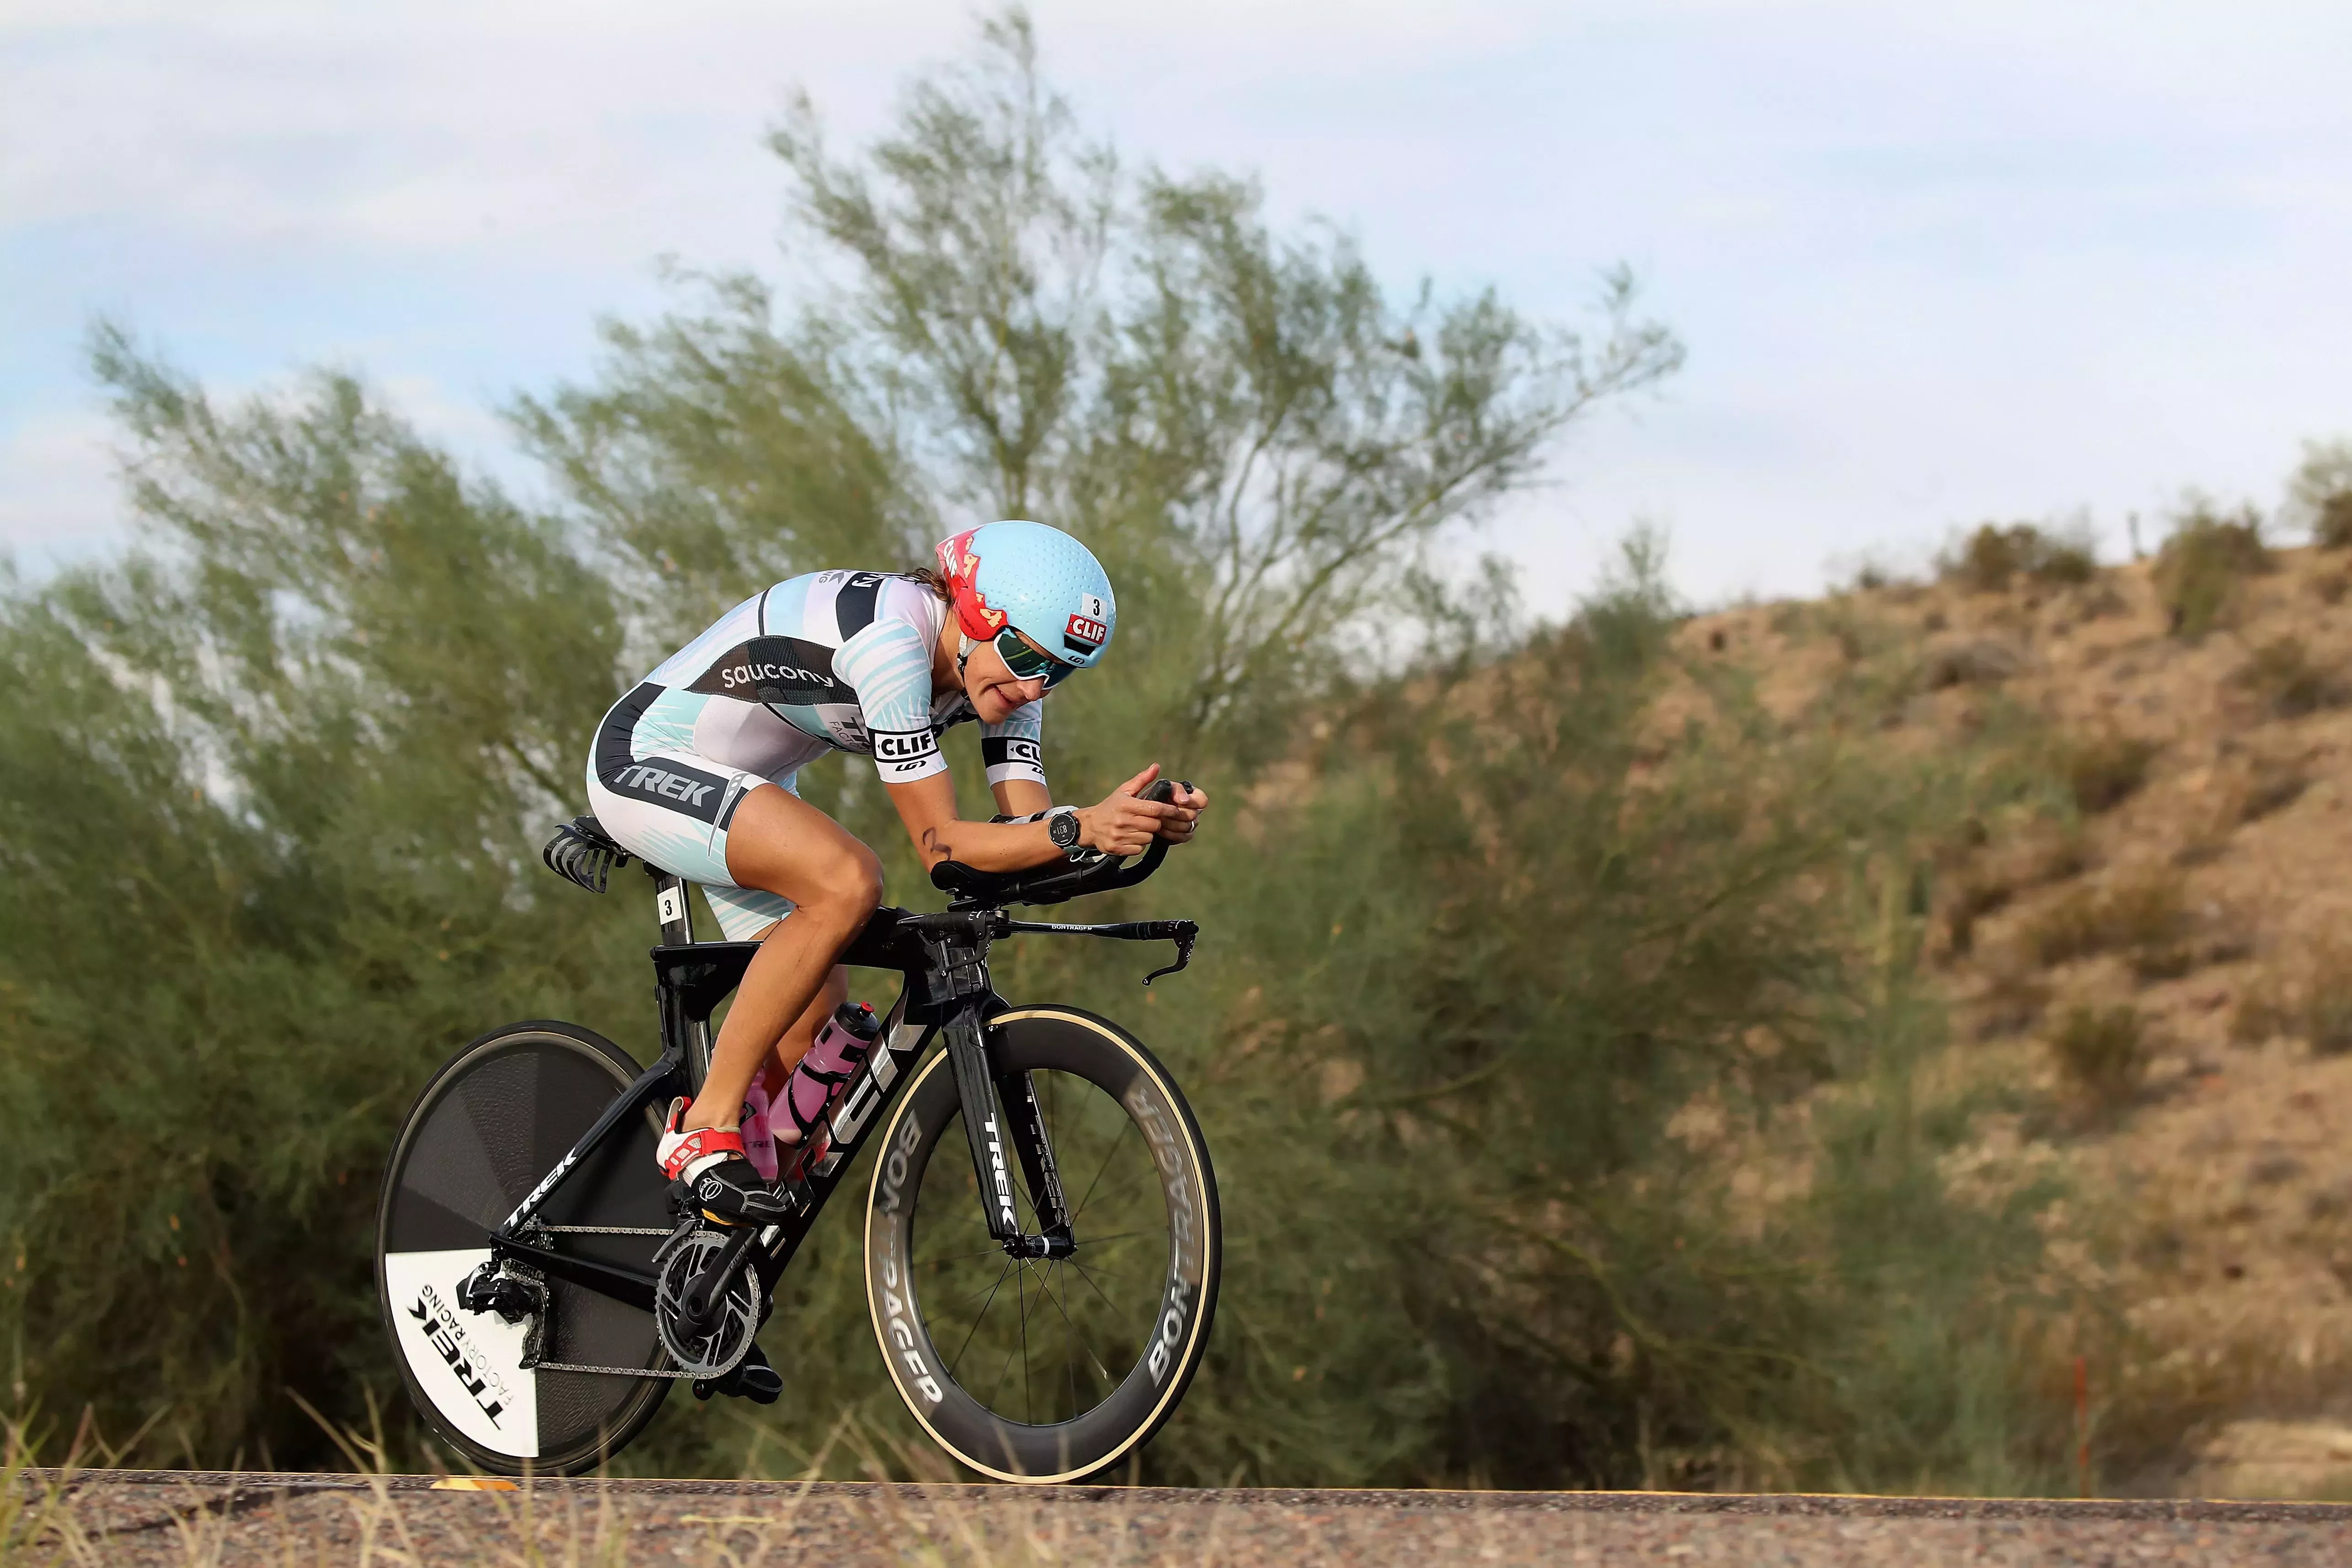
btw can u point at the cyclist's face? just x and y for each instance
(994, 690)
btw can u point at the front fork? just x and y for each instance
(1005, 1126)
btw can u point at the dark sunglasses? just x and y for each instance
(1028, 664)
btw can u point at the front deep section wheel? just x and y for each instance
(494, 1121)
(1046, 1369)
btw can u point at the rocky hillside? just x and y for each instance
(2165, 955)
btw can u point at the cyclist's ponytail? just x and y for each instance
(930, 577)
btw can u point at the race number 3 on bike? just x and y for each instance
(563, 1234)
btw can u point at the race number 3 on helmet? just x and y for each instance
(1038, 581)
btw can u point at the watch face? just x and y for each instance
(1064, 827)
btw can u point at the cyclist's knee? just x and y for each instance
(847, 887)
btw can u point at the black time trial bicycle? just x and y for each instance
(1040, 1305)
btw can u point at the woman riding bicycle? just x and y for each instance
(693, 771)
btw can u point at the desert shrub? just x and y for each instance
(2101, 1051)
(1977, 661)
(2105, 769)
(2203, 560)
(1989, 558)
(2319, 492)
(2281, 675)
(2327, 1017)
(2318, 1012)
(2331, 526)
(2145, 915)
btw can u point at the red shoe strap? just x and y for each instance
(692, 1146)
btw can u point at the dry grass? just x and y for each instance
(2283, 677)
(2102, 1052)
(2106, 769)
(2145, 916)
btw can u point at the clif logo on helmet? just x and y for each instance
(1037, 579)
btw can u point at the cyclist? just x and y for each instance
(693, 771)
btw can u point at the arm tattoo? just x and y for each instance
(935, 845)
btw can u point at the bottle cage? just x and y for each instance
(583, 853)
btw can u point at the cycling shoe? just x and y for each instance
(752, 1379)
(731, 1193)
(711, 1174)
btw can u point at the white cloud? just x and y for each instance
(59, 497)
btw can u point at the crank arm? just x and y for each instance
(712, 1287)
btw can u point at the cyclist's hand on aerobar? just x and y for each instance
(1125, 824)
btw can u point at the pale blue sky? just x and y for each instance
(1933, 262)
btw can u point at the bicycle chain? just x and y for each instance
(610, 1371)
(606, 1371)
(600, 1229)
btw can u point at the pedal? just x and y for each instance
(754, 1380)
(683, 1207)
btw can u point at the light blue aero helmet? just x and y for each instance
(1037, 579)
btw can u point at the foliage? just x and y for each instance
(2319, 494)
(2101, 1051)
(2203, 560)
(1507, 979)
(2142, 915)
(2331, 527)
(2105, 769)
(2281, 675)
(1987, 560)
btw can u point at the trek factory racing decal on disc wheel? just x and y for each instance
(1049, 1368)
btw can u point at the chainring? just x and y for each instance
(722, 1349)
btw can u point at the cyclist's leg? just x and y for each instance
(761, 850)
(779, 843)
(803, 1034)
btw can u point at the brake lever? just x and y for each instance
(1185, 935)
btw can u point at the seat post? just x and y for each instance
(675, 909)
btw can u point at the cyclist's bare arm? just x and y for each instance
(1121, 825)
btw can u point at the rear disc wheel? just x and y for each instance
(493, 1122)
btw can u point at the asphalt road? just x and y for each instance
(140, 1517)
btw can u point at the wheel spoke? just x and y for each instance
(1115, 1143)
(1083, 1342)
(976, 1319)
(1088, 1276)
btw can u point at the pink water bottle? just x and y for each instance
(758, 1133)
(839, 1047)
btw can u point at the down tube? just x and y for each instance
(844, 1127)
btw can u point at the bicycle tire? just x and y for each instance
(925, 1227)
(494, 1120)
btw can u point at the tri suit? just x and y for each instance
(833, 661)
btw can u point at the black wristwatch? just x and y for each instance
(1062, 822)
